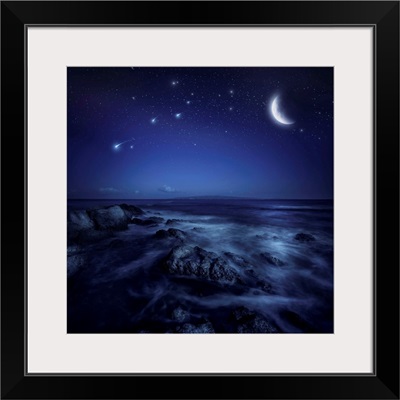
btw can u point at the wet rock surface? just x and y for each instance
(93, 225)
(197, 262)
(304, 237)
(272, 259)
(170, 233)
(249, 321)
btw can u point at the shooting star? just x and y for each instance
(154, 120)
(118, 145)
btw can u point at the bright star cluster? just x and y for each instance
(201, 131)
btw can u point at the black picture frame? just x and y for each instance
(383, 383)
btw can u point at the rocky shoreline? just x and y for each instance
(182, 268)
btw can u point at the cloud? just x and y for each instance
(108, 190)
(167, 189)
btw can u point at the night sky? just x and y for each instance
(149, 133)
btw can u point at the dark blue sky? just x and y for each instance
(176, 132)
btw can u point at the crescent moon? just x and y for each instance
(277, 113)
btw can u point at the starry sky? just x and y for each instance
(155, 132)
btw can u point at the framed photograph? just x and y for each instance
(211, 195)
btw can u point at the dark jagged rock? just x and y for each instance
(131, 211)
(82, 229)
(76, 259)
(173, 221)
(272, 259)
(110, 218)
(264, 286)
(78, 222)
(237, 260)
(191, 328)
(304, 237)
(197, 262)
(170, 233)
(257, 325)
(143, 222)
(180, 315)
(86, 226)
(249, 321)
(157, 219)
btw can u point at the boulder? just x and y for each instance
(173, 221)
(131, 211)
(110, 218)
(197, 262)
(78, 221)
(249, 321)
(147, 222)
(76, 259)
(304, 237)
(170, 233)
(180, 315)
(237, 260)
(272, 259)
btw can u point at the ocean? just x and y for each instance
(279, 254)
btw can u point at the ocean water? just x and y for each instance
(121, 286)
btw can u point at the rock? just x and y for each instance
(241, 314)
(131, 211)
(110, 218)
(170, 233)
(173, 221)
(250, 272)
(272, 259)
(74, 263)
(237, 260)
(78, 221)
(81, 228)
(249, 321)
(256, 325)
(191, 328)
(197, 262)
(73, 249)
(304, 237)
(265, 286)
(85, 226)
(157, 219)
(180, 315)
(143, 222)
(75, 259)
